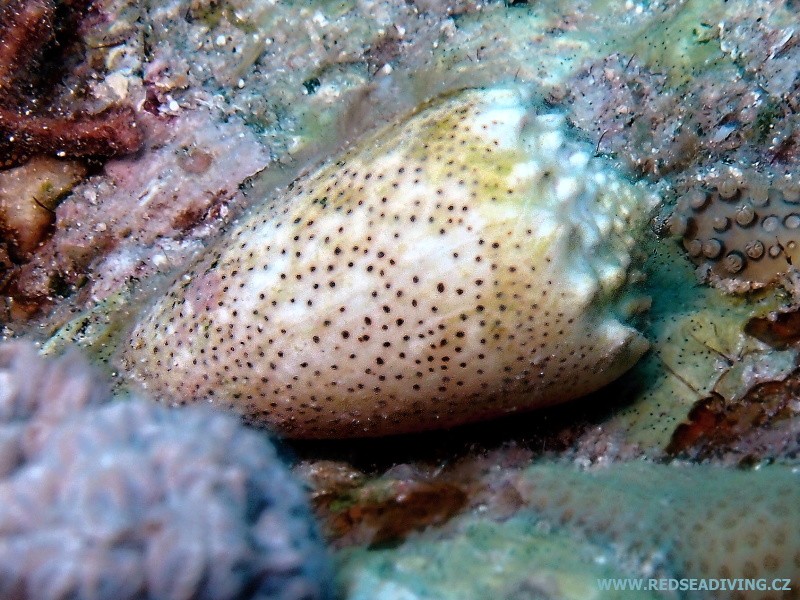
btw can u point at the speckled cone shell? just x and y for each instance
(461, 264)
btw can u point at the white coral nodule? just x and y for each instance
(466, 262)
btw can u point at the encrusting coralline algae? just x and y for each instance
(131, 500)
(465, 263)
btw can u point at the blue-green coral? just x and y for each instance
(685, 521)
(478, 558)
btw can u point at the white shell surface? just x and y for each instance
(461, 264)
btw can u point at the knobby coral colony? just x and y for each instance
(127, 499)
(29, 30)
(467, 262)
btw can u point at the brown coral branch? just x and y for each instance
(110, 133)
(26, 26)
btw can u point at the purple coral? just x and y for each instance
(129, 499)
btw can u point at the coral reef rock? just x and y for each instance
(469, 261)
(145, 211)
(132, 500)
(29, 195)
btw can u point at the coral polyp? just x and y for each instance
(742, 233)
(466, 262)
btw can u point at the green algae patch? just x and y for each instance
(98, 330)
(482, 559)
(698, 347)
(768, 115)
(543, 42)
(681, 42)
